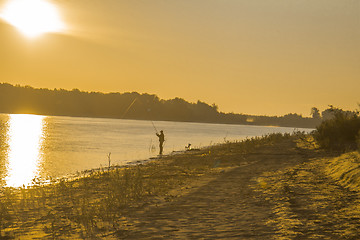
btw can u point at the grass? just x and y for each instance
(96, 205)
(345, 169)
(317, 199)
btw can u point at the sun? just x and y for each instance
(32, 17)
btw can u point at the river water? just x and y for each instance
(42, 146)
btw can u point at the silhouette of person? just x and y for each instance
(161, 141)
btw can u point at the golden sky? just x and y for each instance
(248, 56)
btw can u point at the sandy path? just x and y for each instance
(225, 206)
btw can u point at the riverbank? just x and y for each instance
(256, 189)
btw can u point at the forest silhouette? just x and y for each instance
(61, 102)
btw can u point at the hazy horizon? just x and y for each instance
(152, 94)
(268, 57)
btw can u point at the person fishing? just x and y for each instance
(161, 141)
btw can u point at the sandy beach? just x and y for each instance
(280, 191)
(270, 188)
(216, 207)
(222, 206)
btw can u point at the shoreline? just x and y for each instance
(91, 154)
(117, 192)
(228, 191)
(88, 172)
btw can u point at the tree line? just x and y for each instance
(132, 105)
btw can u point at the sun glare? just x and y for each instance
(25, 137)
(32, 17)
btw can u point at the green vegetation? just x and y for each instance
(340, 131)
(96, 205)
(60, 102)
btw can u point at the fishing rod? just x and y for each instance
(132, 105)
(149, 109)
(154, 126)
(122, 116)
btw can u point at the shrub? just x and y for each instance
(340, 132)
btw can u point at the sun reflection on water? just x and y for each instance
(24, 140)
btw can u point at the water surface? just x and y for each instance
(42, 146)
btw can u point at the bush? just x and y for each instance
(341, 132)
